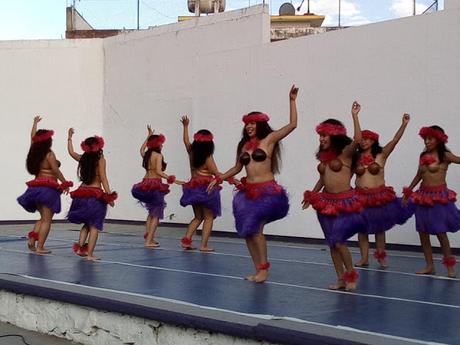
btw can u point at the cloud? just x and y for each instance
(404, 8)
(349, 12)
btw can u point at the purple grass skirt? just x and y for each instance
(257, 204)
(382, 209)
(194, 193)
(339, 214)
(435, 210)
(41, 191)
(88, 207)
(151, 195)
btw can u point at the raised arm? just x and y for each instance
(388, 149)
(70, 149)
(185, 136)
(451, 158)
(144, 144)
(284, 131)
(349, 150)
(37, 119)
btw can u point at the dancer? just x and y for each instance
(151, 190)
(338, 206)
(260, 200)
(435, 210)
(43, 192)
(382, 209)
(89, 204)
(206, 206)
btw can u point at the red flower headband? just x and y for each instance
(256, 117)
(431, 132)
(42, 137)
(156, 142)
(98, 145)
(203, 137)
(330, 129)
(367, 134)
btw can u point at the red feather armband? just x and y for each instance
(407, 192)
(171, 179)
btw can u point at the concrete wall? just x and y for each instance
(217, 68)
(58, 80)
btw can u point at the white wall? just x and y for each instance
(217, 68)
(408, 65)
(62, 82)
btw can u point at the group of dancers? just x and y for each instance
(371, 207)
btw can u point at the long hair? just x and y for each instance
(375, 150)
(262, 130)
(338, 142)
(148, 154)
(87, 167)
(440, 147)
(37, 153)
(201, 150)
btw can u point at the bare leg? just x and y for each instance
(252, 247)
(261, 245)
(339, 269)
(194, 224)
(151, 224)
(364, 249)
(447, 253)
(32, 240)
(45, 225)
(93, 235)
(207, 228)
(348, 263)
(81, 251)
(428, 252)
(380, 245)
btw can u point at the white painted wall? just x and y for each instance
(407, 65)
(217, 68)
(62, 82)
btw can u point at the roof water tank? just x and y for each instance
(206, 6)
(287, 9)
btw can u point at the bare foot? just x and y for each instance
(362, 263)
(338, 286)
(350, 286)
(92, 258)
(427, 270)
(383, 263)
(43, 251)
(152, 244)
(80, 252)
(31, 245)
(251, 277)
(261, 276)
(206, 249)
(451, 272)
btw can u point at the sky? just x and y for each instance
(45, 19)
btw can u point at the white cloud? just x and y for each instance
(349, 11)
(404, 8)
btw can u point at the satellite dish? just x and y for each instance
(287, 9)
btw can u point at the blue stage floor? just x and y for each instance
(206, 290)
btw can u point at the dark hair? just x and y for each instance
(440, 147)
(148, 154)
(87, 167)
(37, 153)
(201, 150)
(375, 150)
(338, 142)
(262, 130)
